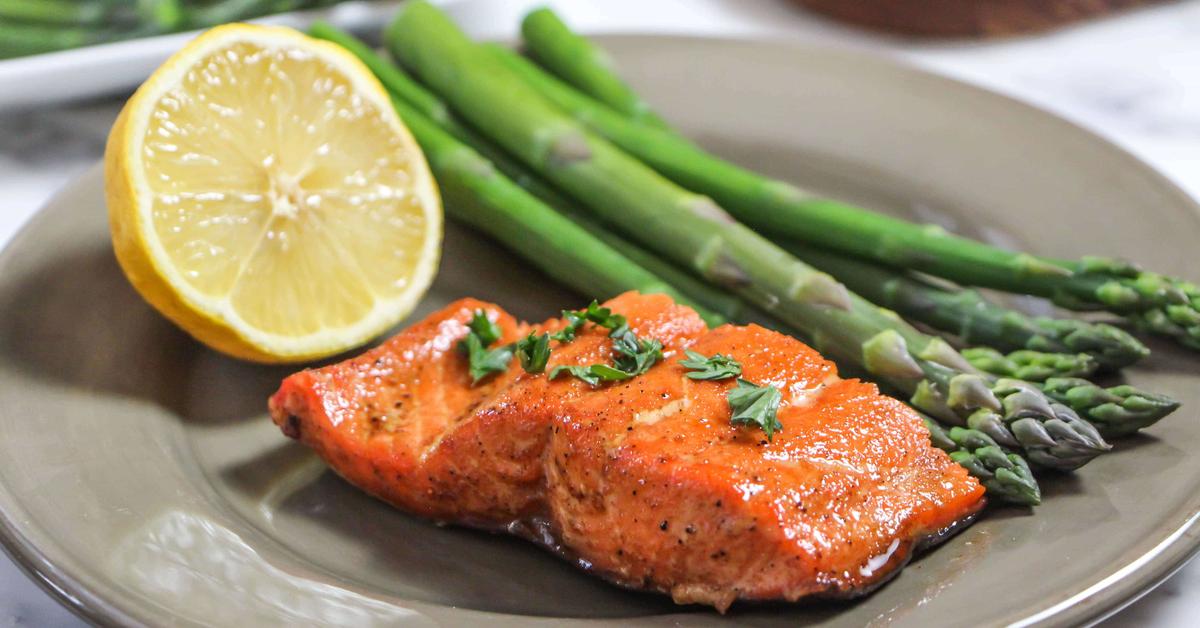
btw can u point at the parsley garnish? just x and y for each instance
(575, 321)
(749, 403)
(755, 405)
(601, 316)
(593, 374)
(706, 368)
(483, 327)
(632, 356)
(483, 362)
(534, 351)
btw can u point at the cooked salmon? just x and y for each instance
(644, 482)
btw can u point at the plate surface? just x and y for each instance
(142, 483)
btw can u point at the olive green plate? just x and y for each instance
(141, 482)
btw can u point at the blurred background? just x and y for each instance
(1128, 70)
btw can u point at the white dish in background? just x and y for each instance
(120, 66)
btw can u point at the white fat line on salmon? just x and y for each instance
(800, 398)
(878, 560)
(650, 417)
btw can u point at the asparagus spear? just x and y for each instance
(1006, 476)
(221, 12)
(37, 26)
(1031, 366)
(970, 316)
(161, 15)
(60, 12)
(1155, 303)
(1116, 411)
(202, 15)
(725, 306)
(583, 64)
(693, 231)
(30, 39)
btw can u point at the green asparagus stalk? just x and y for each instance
(583, 64)
(161, 15)
(1006, 476)
(693, 231)
(203, 15)
(59, 12)
(1155, 303)
(976, 320)
(727, 306)
(38, 26)
(29, 39)
(1031, 366)
(968, 315)
(1116, 411)
(221, 12)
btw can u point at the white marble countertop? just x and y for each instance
(1134, 79)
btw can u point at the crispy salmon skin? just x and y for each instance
(644, 482)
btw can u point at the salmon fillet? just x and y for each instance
(643, 482)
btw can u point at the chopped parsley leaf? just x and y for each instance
(707, 368)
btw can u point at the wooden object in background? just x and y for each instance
(966, 18)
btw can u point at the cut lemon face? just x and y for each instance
(264, 195)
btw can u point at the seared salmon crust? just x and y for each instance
(643, 482)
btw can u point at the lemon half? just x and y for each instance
(264, 195)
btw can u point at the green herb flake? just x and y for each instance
(487, 331)
(755, 406)
(575, 321)
(593, 313)
(481, 361)
(604, 317)
(709, 368)
(534, 351)
(593, 375)
(609, 374)
(579, 372)
(634, 355)
(484, 362)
